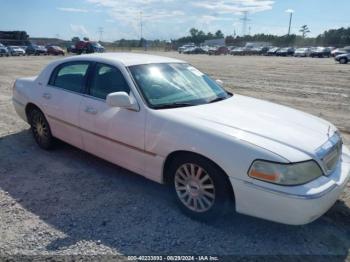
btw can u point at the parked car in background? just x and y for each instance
(87, 47)
(230, 48)
(340, 51)
(95, 47)
(205, 48)
(237, 51)
(36, 50)
(24, 47)
(258, 50)
(16, 50)
(188, 50)
(221, 50)
(272, 51)
(71, 49)
(181, 49)
(343, 58)
(286, 51)
(194, 50)
(166, 120)
(302, 52)
(320, 52)
(54, 50)
(4, 51)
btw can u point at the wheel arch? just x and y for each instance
(30, 106)
(166, 175)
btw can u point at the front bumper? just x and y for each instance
(294, 205)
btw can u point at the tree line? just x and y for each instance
(334, 37)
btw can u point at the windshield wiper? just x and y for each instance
(173, 105)
(217, 99)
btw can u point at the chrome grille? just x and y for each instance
(330, 153)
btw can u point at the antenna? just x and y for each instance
(100, 31)
(245, 21)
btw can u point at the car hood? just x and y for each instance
(343, 55)
(262, 123)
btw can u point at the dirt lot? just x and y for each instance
(69, 202)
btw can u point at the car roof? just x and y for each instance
(128, 59)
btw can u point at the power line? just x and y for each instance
(245, 21)
(100, 31)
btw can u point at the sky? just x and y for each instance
(168, 19)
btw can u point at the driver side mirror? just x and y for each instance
(122, 100)
(219, 82)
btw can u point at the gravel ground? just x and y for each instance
(69, 202)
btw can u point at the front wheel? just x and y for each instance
(41, 129)
(201, 189)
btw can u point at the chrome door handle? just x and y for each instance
(90, 110)
(47, 96)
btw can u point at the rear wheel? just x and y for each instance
(201, 189)
(343, 60)
(40, 129)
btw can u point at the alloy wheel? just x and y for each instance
(40, 128)
(194, 187)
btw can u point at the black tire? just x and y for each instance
(40, 129)
(343, 60)
(222, 190)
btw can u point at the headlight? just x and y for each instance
(285, 174)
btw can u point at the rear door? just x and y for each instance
(115, 134)
(61, 98)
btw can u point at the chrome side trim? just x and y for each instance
(290, 195)
(103, 137)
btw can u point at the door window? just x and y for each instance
(107, 79)
(70, 77)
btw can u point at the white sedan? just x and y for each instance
(166, 120)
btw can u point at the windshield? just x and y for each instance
(175, 85)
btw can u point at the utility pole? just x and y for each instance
(290, 22)
(100, 32)
(141, 25)
(290, 11)
(245, 21)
